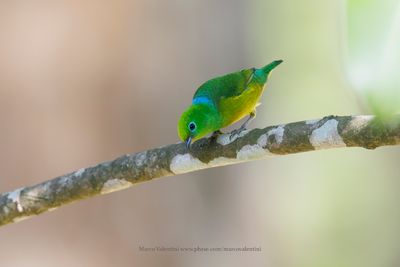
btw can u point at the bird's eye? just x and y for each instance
(192, 126)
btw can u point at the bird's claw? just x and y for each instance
(236, 132)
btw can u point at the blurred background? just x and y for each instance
(83, 82)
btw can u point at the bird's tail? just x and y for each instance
(263, 73)
(267, 69)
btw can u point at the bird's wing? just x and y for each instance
(223, 87)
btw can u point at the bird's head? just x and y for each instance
(196, 122)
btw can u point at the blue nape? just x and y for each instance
(202, 100)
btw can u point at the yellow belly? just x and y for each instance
(235, 108)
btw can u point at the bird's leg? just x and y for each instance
(252, 115)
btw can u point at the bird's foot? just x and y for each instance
(235, 133)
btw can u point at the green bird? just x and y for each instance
(223, 101)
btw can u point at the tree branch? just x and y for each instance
(329, 132)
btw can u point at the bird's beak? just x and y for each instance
(188, 142)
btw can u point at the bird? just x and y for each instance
(222, 101)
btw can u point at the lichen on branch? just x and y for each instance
(329, 132)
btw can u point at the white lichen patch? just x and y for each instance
(40, 191)
(327, 136)
(15, 198)
(79, 172)
(140, 158)
(311, 122)
(226, 139)
(115, 185)
(6, 209)
(64, 180)
(185, 163)
(262, 140)
(357, 123)
(258, 150)
(278, 132)
(249, 152)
